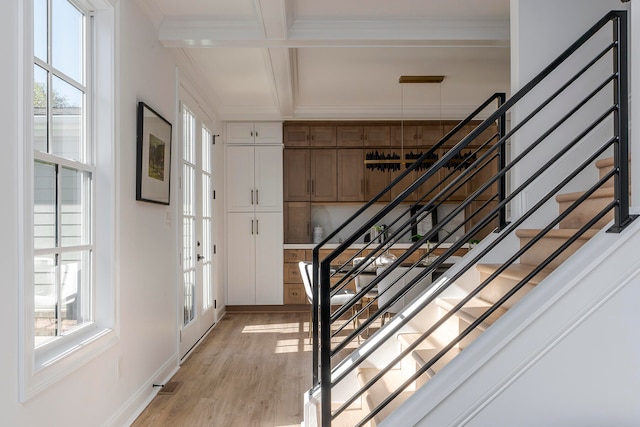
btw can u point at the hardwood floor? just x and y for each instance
(251, 370)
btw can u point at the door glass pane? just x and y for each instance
(40, 29)
(45, 298)
(67, 120)
(74, 290)
(189, 295)
(66, 39)
(44, 206)
(74, 215)
(39, 109)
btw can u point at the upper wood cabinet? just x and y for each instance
(324, 175)
(364, 136)
(310, 175)
(297, 179)
(350, 175)
(309, 136)
(254, 133)
(413, 135)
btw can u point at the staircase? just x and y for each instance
(365, 369)
(427, 352)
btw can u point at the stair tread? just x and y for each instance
(423, 356)
(558, 233)
(382, 389)
(516, 271)
(406, 339)
(605, 192)
(473, 309)
(605, 163)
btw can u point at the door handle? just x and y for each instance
(252, 197)
(199, 257)
(257, 197)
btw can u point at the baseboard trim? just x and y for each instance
(289, 308)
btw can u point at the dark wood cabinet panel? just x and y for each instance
(377, 136)
(350, 136)
(297, 181)
(324, 175)
(350, 175)
(297, 225)
(322, 136)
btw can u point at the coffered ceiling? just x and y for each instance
(338, 59)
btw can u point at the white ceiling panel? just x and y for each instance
(332, 59)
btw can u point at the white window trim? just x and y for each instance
(41, 368)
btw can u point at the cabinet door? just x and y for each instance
(297, 222)
(350, 175)
(241, 270)
(350, 136)
(240, 179)
(430, 134)
(297, 176)
(296, 136)
(375, 181)
(322, 136)
(402, 185)
(269, 258)
(324, 174)
(240, 133)
(267, 132)
(377, 136)
(405, 135)
(268, 178)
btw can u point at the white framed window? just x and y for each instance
(68, 282)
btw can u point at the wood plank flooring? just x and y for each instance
(251, 370)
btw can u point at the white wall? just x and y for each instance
(112, 387)
(541, 30)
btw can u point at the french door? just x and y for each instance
(196, 291)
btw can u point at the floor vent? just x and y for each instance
(170, 388)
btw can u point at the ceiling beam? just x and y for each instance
(345, 33)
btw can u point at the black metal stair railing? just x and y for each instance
(478, 163)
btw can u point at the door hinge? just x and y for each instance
(214, 194)
(215, 303)
(214, 249)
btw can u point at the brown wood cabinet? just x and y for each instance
(367, 136)
(376, 180)
(324, 175)
(297, 180)
(417, 135)
(350, 175)
(297, 222)
(309, 136)
(294, 292)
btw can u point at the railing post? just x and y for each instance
(314, 315)
(502, 161)
(325, 343)
(621, 124)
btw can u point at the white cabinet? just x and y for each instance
(254, 178)
(254, 213)
(254, 133)
(254, 258)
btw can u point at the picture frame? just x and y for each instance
(425, 223)
(153, 171)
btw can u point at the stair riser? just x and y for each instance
(499, 287)
(545, 247)
(585, 212)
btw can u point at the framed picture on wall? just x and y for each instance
(424, 223)
(153, 173)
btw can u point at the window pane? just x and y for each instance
(45, 298)
(188, 136)
(74, 290)
(44, 206)
(67, 121)
(189, 296)
(67, 39)
(75, 208)
(40, 29)
(187, 244)
(206, 151)
(40, 93)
